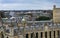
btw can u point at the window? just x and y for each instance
(36, 35)
(2, 35)
(45, 34)
(50, 34)
(58, 33)
(31, 35)
(54, 34)
(26, 35)
(41, 34)
(7, 36)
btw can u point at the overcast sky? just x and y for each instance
(28, 4)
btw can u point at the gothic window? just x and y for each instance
(26, 35)
(58, 34)
(36, 35)
(50, 34)
(45, 34)
(54, 34)
(7, 36)
(31, 35)
(41, 34)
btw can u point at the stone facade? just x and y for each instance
(56, 14)
(31, 29)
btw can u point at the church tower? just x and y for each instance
(56, 14)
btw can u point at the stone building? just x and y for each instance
(28, 29)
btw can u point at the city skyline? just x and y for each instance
(28, 4)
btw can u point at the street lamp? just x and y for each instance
(23, 22)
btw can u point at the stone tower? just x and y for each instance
(56, 14)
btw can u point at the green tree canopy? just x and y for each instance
(42, 18)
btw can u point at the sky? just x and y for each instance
(28, 4)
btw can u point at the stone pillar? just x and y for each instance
(43, 34)
(48, 34)
(29, 35)
(56, 34)
(39, 34)
(52, 34)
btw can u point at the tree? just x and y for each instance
(42, 18)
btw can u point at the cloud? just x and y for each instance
(12, 1)
(25, 4)
(26, 1)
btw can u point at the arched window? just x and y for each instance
(54, 34)
(26, 35)
(58, 33)
(50, 34)
(45, 34)
(37, 35)
(31, 35)
(7, 36)
(41, 34)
